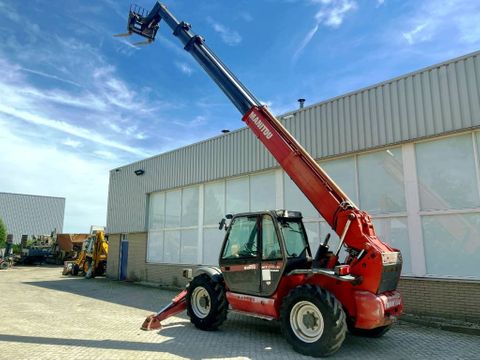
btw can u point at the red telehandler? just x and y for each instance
(266, 268)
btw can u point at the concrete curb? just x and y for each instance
(443, 324)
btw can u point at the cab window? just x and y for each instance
(295, 239)
(242, 238)
(270, 244)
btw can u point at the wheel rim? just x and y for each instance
(201, 303)
(306, 321)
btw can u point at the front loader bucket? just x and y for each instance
(178, 304)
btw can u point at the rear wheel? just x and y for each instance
(206, 303)
(313, 321)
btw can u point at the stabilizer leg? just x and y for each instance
(178, 304)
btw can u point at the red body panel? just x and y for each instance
(252, 304)
(368, 310)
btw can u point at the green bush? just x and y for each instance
(3, 234)
(17, 249)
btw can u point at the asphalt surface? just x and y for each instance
(44, 315)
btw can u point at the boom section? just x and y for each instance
(317, 186)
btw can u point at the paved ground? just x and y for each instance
(44, 315)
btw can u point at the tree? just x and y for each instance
(3, 234)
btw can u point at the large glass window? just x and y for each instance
(173, 207)
(394, 231)
(212, 244)
(342, 171)
(446, 174)
(313, 234)
(155, 246)
(452, 244)
(171, 248)
(262, 192)
(477, 140)
(295, 200)
(188, 251)
(214, 203)
(156, 218)
(381, 181)
(190, 206)
(237, 195)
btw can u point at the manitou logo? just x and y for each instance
(260, 125)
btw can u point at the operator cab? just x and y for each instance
(260, 247)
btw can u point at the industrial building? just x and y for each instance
(31, 214)
(405, 150)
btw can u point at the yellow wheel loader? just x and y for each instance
(92, 260)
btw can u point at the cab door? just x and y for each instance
(272, 259)
(240, 258)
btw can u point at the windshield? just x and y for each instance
(294, 235)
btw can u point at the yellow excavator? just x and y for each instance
(92, 260)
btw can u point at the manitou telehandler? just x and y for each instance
(266, 265)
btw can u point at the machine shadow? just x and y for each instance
(117, 292)
(267, 345)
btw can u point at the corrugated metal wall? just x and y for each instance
(437, 100)
(31, 214)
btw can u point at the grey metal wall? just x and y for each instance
(437, 100)
(31, 214)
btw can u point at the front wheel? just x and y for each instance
(313, 321)
(206, 303)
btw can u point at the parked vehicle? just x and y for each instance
(266, 267)
(92, 260)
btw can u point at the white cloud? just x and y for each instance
(245, 16)
(72, 143)
(50, 76)
(184, 68)
(331, 13)
(306, 40)
(431, 21)
(105, 154)
(229, 37)
(417, 34)
(70, 129)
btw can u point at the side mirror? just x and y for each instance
(221, 224)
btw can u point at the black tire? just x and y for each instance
(371, 333)
(314, 301)
(75, 269)
(100, 270)
(206, 303)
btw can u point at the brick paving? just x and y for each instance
(44, 315)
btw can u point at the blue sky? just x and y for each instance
(76, 102)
